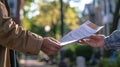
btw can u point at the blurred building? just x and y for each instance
(101, 13)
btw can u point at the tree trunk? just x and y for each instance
(115, 17)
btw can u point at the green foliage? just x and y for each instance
(106, 63)
(72, 51)
(85, 51)
(49, 14)
(71, 18)
(27, 2)
(38, 30)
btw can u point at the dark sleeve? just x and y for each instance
(113, 41)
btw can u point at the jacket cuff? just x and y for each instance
(34, 44)
(107, 44)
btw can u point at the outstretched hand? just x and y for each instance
(94, 41)
(50, 46)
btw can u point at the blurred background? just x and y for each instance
(55, 18)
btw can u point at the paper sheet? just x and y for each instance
(84, 30)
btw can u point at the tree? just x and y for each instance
(115, 17)
(50, 15)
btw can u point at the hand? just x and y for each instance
(50, 46)
(94, 41)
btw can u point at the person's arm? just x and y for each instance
(110, 42)
(14, 37)
(113, 41)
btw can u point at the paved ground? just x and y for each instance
(34, 63)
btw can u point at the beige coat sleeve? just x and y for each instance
(14, 37)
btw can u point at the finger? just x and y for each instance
(92, 43)
(81, 41)
(58, 46)
(54, 44)
(87, 41)
(54, 47)
(50, 51)
(94, 37)
(50, 41)
(54, 40)
(97, 37)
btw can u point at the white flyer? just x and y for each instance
(85, 30)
